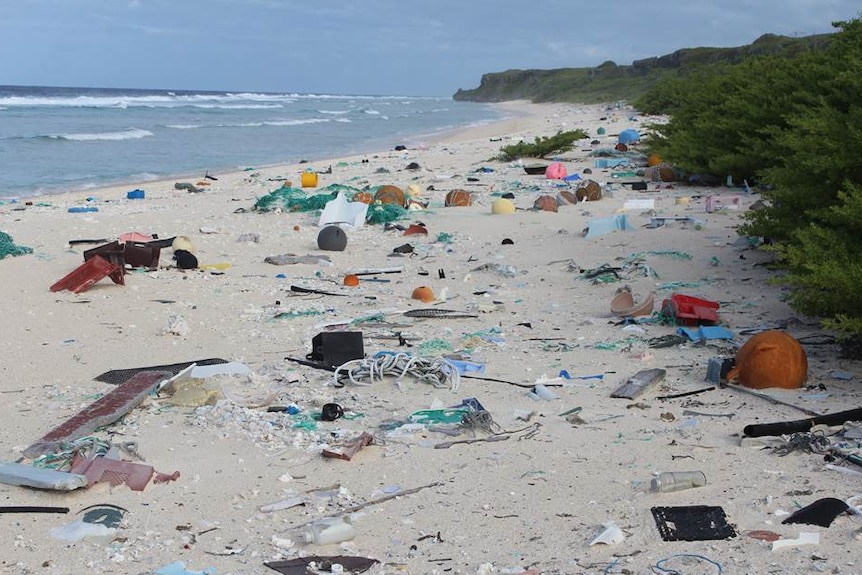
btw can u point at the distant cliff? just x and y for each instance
(610, 81)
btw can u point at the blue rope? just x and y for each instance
(659, 564)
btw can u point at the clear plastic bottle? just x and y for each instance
(329, 530)
(668, 481)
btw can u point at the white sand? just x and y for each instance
(526, 503)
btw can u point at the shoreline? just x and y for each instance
(430, 138)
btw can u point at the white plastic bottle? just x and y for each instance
(677, 481)
(330, 530)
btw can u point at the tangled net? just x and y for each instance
(806, 442)
(8, 247)
(436, 371)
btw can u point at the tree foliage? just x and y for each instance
(542, 146)
(795, 127)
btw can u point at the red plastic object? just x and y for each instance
(112, 252)
(690, 310)
(86, 275)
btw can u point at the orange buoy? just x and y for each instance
(545, 204)
(770, 359)
(424, 294)
(588, 191)
(351, 280)
(654, 160)
(389, 195)
(459, 198)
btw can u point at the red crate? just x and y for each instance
(86, 275)
(690, 310)
(112, 252)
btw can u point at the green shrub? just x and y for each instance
(542, 146)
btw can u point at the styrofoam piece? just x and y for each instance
(640, 204)
(805, 538)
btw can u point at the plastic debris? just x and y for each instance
(805, 538)
(610, 535)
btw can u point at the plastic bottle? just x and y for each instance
(677, 481)
(330, 530)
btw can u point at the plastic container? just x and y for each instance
(308, 179)
(677, 481)
(328, 531)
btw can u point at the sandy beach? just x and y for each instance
(525, 489)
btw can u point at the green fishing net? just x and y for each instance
(384, 213)
(8, 247)
(296, 200)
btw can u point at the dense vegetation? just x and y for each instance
(610, 82)
(793, 126)
(785, 114)
(542, 146)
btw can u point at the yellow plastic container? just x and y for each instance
(503, 206)
(309, 180)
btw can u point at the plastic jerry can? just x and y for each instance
(308, 179)
(328, 531)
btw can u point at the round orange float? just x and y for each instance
(545, 204)
(770, 358)
(459, 198)
(389, 195)
(589, 191)
(351, 280)
(654, 160)
(424, 294)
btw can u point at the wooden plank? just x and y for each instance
(639, 383)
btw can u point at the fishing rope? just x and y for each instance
(436, 371)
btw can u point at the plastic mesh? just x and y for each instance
(8, 247)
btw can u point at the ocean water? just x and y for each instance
(62, 139)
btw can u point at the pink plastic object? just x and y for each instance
(555, 171)
(135, 237)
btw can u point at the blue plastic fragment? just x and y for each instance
(465, 367)
(705, 332)
(179, 568)
(565, 375)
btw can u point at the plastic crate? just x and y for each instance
(86, 275)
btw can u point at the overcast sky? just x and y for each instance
(397, 47)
